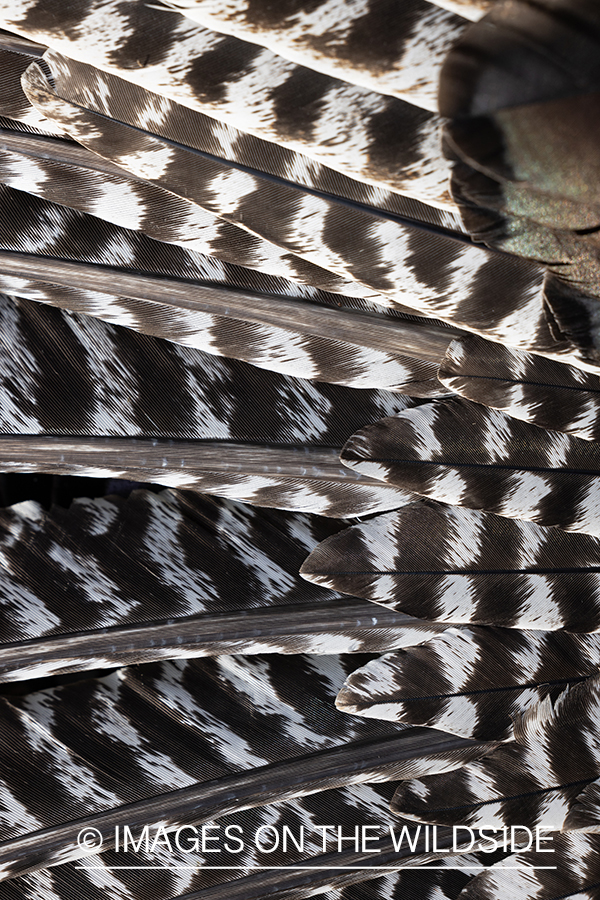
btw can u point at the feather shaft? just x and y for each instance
(321, 628)
(358, 763)
(304, 480)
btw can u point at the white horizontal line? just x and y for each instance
(200, 867)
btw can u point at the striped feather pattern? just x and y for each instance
(391, 49)
(236, 195)
(112, 582)
(89, 254)
(364, 134)
(458, 452)
(447, 564)
(66, 174)
(569, 870)
(536, 390)
(193, 742)
(158, 310)
(125, 102)
(297, 263)
(164, 395)
(215, 137)
(126, 384)
(470, 681)
(330, 234)
(517, 299)
(534, 781)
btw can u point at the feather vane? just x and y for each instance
(365, 134)
(411, 42)
(535, 780)
(462, 453)
(217, 753)
(112, 582)
(447, 564)
(470, 681)
(571, 872)
(537, 390)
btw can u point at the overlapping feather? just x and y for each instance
(540, 391)
(392, 49)
(205, 302)
(453, 565)
(441, 881)
(462, 453)
(112, 582)
(362, 133)
(379, 252)
(470, 681)
(546, 778)
(66, 174)
(193, 742)
(565, 866)
(80, 396)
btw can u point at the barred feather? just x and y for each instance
(363, 134)
(191, 412)
(470, 681)
(112, 582)
(464, 454)
(16, 112)
(535, 781)
(67, 374)
(536, 390)
(65, 173)
(447, 564)
(191, 742)
(125, 102)
(315, 227)
(303, 480)
(391, 49)
(308, 236)
(516, 294)
(198, 300)
(212, 136)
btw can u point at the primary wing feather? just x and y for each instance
(479, 290)
(393, 49)
(448, 564)
(470, 681)
(536, 780)
(112, 582)
(192, 742)
(458, 452)
(537, 390)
